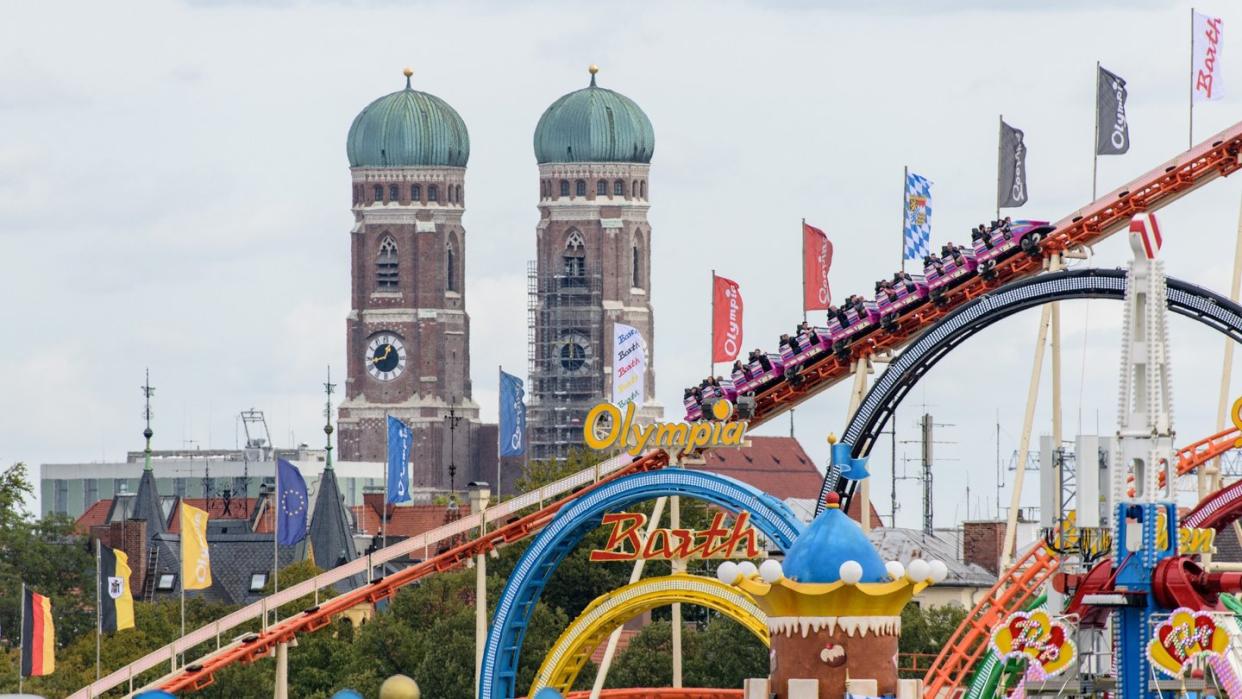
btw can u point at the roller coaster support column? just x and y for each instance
(479, 495)
(657, 511)
(1209, 478)
(862, 367)
(282, 671)
(678, 566)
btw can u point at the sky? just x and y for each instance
(174, 194)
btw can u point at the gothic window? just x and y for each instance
(393, 194)
(574, 260)
(601, 188)
(564, 188)
(357, 194)
(638, 267)
(433, 193)
(378, 191)
(634, 189)
(580, 188)
(386, 274)
(450, 266)
(543, 189)
(458, 194)
(416, 193)
(618, 188)
(643, 186)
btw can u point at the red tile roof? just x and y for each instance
(403, 520)
(239, 508)
(778, 466)
(93, 517)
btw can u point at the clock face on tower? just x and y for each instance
(385, 358)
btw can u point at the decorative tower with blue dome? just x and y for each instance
(593, 261)
(407, 333)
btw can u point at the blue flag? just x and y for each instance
(512, 416)
(399, 438)
(917, 228)
(291, 525)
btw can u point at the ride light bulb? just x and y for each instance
(747, 569)
(895, 569)
(851, 572)
(770, 570)
(918, 570)
(939, 571)
(727, 573)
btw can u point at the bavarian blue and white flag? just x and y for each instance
(399, 438)
(917, 229)
(512, 434)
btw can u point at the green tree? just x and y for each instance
(925, 631)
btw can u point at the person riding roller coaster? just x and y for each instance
(758, 355)
(933, 260)
(903, 277)
(954, 251)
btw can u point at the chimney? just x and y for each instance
(982, 543)
(130, 536)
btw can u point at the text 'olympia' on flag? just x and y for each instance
(195, 555)
(38, 635)
(916, 230)
(1011, 168)
(512, 433)
(400, 437)
(629, 365)
(291, 524)
(1112, 135)
(116, 598)
(726, 319)
(816, 262)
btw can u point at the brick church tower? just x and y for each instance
(407, 333)
(593, 263)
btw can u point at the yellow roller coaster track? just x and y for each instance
(610, 610)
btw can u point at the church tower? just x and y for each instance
(407, 333)
(593, 262)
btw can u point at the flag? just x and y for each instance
(1112, 136)
(38, 635)
(291, 522)
(916, 231)
(816, 261)
(512, 416)
(1011, 182)
(629, 365)
(1205, 57)
(726, 319)
(400, 436)
(116, 599)
(195, 556)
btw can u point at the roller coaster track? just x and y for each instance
(573, 648)
(1215, 157)
(661, 693)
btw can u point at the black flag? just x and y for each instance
(1011, 180)
(1112, 135)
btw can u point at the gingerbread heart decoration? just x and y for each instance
(1185, 635)
(1036, 637)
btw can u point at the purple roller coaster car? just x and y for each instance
(944, 273)
(1000, 242)
(806, 347)
(762, 371)
(861, 317)
(695, 398)
(896, 297)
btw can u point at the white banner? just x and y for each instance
(629, 365)
(1205, 52)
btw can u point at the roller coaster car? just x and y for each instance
(1003, 242)
(759, 374)
(856, 325)
(806, 348)
(898, 299)
(949, 273)
(696, 404)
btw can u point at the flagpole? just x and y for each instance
(803, 275)
(905, 201)
(711, 332)
(1000, 142)
(1191, 81)
(21, 644)
(181, 577)
(276, 538)
(98, 610)
(500, 378)
(1095, 144)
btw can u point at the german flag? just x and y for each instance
(38, 635)
(116, 599)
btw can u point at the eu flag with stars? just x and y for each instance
(291, 526)
(399, 438)
(917, 227)
(512, 416)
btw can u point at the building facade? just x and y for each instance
(593, 259)
(407, 333)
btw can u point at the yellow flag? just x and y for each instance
(195, 559)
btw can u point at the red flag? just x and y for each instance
(726, 319)
(816, 261)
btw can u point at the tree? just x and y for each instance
(925, 631)
(536, 474)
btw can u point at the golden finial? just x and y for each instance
(593, 69)
(407, 73)
(832, 438)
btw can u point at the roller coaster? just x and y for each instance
(957, 312)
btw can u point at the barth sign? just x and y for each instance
(606, 427)
(626, 542)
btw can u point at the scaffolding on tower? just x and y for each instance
(565, 330)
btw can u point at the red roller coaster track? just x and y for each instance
(1216, 157)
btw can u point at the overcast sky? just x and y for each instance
(174, 194)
